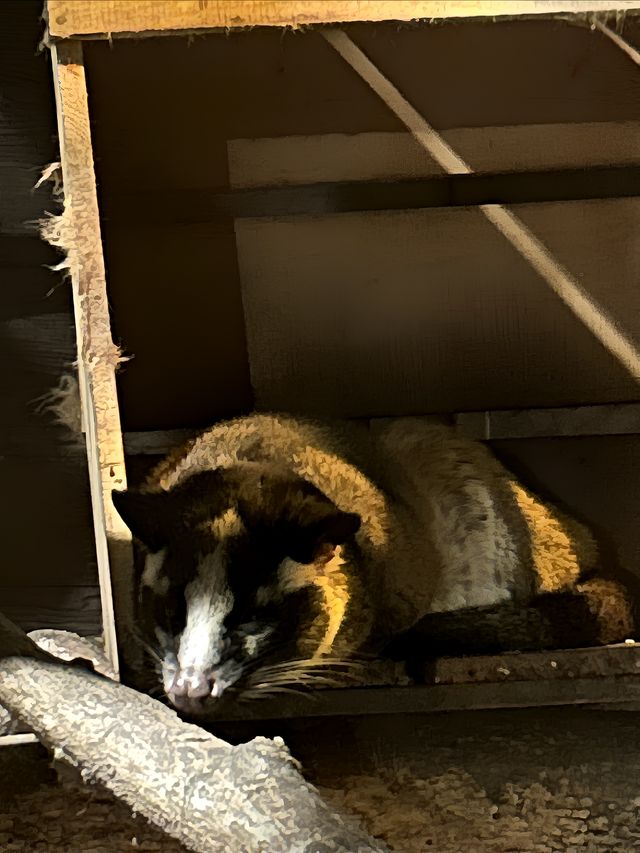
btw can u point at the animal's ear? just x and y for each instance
(317, 535)
(145, 514)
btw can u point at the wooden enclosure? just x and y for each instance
(365, 210)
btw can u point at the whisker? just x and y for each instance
(266, 692)
(319, 661)
(304, 679)
(137, 636)
(318, 681)
(311, 671)
(303, 673)
(313, 664)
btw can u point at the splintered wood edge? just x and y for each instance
(97, 355)
(87, 18)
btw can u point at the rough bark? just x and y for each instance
(207, 794)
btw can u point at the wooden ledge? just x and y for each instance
(598, 677)
(107, 18)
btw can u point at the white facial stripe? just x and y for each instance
(209, 601)
(152, 567)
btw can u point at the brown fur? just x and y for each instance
(447, 535)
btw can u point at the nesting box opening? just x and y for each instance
(343, 222)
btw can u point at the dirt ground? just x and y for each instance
(37, 812)
(520, 782)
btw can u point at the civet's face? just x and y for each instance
(227, 586)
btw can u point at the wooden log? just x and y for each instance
(207, 794)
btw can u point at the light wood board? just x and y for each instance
(121, 17)
(97, 355)
(363, 315)
(385, 156)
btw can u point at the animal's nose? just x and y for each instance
(191, 683)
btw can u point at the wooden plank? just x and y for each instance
(387, 156)
(441, 698)
(156, 442)
(97, 354)
(619, 419)
(594, 676)
(69, 18)
(198, 206)
(365, 315)
(622, 419)
(616, 660)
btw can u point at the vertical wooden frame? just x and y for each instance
(97, 354)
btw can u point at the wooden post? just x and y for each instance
(97, 354)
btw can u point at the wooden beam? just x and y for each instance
(621, 419)
(495, 150)
(613, 419)
(156, 442)
(368, 701)
(189, 206)
(594, 676)
(97, 354)
(622, 659)
(106, 18)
